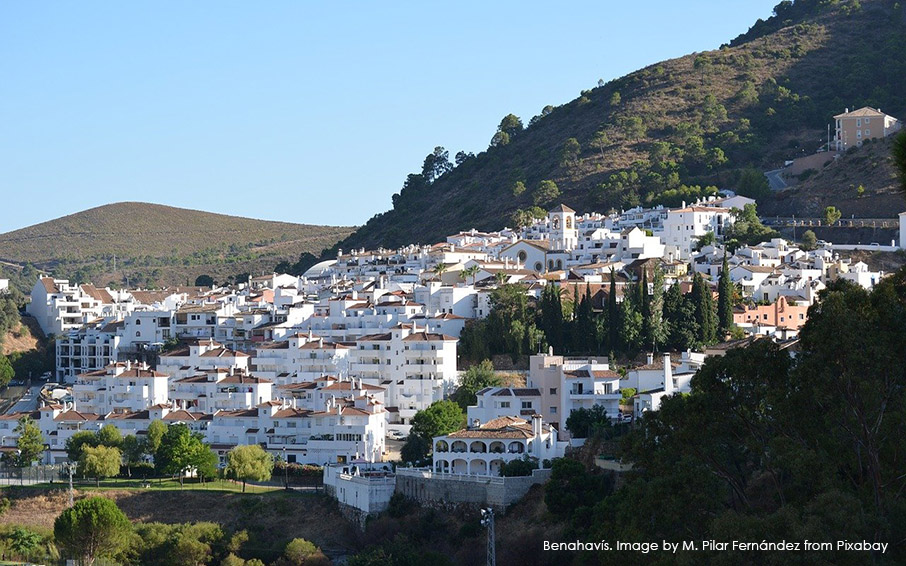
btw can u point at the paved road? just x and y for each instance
(775, 180)
(28, 402)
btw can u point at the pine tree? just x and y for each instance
(724, 301)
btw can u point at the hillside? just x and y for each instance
(870, 166)
(158, 245)
(704, 119)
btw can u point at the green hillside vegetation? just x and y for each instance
(159, 245)
(671, 131)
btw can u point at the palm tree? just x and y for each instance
(500, 277)
(440, 269)
(470, 272)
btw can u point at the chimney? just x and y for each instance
(650, 358)
(668, 375)
(476, 423)
(536, 425)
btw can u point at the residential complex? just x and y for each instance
(315, 368)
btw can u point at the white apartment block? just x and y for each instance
(301, 358)
(120, 387)
(337, 434)
(316, 395)
(89, 348)
(219, 389)
(416, 367)
(60, 307)
(201, 354)
(684, 226)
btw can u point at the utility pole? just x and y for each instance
(487, 520)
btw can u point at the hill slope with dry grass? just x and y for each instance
(158, 245)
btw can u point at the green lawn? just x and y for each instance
(159, 485)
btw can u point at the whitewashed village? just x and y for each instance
(330, 368)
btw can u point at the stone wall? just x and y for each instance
(454, 489)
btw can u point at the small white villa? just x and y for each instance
(483, 448)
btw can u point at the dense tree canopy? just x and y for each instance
(92, 528)
(249, 463)
(775, 447)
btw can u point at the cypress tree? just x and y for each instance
(724, 301)
(703, 304)
(644, 306)
(613, 316)
(657, 328)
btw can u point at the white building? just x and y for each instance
(496, 402)
(88, 348)
(204, 354)
(417, 367)
(60, 307)
(569, 384)
(301, 358)
(216, 389)
(903, 230)
(684, 226)
(366, 486)
(482, 450)
(119, 387)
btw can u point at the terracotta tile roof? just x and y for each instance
(224, 353)
(428, 337)
(97, 294)
(348, 386)
(72, 415)
(291, 413)
(49, 285)
(501, 427)
(864, 111)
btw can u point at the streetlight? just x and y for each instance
(487, 520)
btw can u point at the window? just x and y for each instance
(138, 333)
(553, 390)
(521, 255)
(526, 404)
(553, 410)
(504, 404)
(538, 266)
(868, 120)
(858, 122)
(138, 322)
(867, 132)
(858, 133)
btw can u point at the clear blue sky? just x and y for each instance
(297, 111)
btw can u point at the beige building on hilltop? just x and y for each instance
(852, 128)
